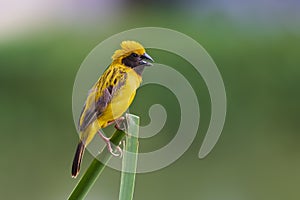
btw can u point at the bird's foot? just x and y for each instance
(121, 124)
(119, 151)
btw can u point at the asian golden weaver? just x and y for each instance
(111, 95)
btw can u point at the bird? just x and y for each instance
(111, 96)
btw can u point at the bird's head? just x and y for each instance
(132, 54)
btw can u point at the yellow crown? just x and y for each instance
(128, 47)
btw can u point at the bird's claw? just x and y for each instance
(119, 152)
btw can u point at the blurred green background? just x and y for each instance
(256, 47)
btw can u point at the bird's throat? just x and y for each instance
(139, 69)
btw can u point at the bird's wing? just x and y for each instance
(100, 95)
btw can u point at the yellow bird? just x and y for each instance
(111, 96)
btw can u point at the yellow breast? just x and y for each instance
(121, 99)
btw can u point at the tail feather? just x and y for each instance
(77, 159)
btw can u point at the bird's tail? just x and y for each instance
(77, 159)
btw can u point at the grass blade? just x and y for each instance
(129, 163)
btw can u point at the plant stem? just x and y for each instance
(95, 169)
(129, 163)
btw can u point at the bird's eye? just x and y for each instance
(134, 55)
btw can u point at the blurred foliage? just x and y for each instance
(257, 156)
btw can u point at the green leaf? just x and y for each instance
(129, 163)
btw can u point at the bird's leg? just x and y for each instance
(116, 121)
(109, 147)
(121, 124)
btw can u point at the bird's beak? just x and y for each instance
(147, 57)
